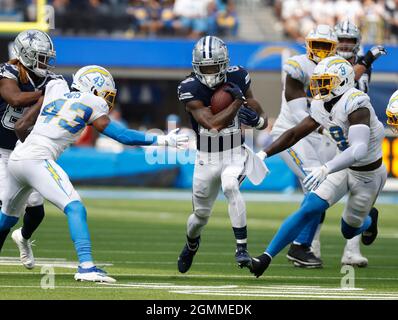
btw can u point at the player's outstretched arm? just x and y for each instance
(24, 125)
(210, 121)
(358, 137)
(137, 138)
(11, 93)
(292, 136)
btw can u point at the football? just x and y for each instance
(220, 99)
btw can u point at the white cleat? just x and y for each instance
(93, 274)
(25, 249)
(316, 248)
(352, 255)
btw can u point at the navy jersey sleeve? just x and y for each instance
(239, 76)
(188, 90)
(9, 71)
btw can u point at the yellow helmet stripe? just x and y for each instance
(331, 63)
(393, 99)
(92, 70)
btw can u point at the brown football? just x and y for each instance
(220, 99)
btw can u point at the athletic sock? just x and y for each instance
(193, 243)
(241, 237)
(31, 220)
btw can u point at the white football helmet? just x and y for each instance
(210, 61)
(320, 43)
(35, 50)
(392, 112)
(331, 78)
(97, 80)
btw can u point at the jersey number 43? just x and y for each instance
(52, 111)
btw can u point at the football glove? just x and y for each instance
(235, 91)
(173, 139)
(372, 55)
(316, 176)
(248, 116)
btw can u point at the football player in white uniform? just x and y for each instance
(310, 151)
(349, 37)
(222, 158)
(357, 169)
(61, 116)
(349, 40)
(392, 112)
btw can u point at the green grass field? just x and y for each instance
(139, 241)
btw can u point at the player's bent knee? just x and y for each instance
(35, 200)
(230, 186)
(202, 213)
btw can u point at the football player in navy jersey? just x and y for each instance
(22, 83)
(222, 156)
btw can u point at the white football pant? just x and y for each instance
(212, 171)
(45, 176)
(35, 199)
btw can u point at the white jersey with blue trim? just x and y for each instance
(301, 68)
(337, 122)
(63, 116)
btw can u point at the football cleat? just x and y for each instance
(303, 257)
(259, 264)
(354, 259)
(186, 257)
(93, 274)
(352, 255)
(370, 234)
(242, 257)
(25, 249)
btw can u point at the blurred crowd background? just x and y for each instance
(246, 19)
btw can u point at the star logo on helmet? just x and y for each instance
(31, 36)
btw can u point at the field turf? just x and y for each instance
(139, 241)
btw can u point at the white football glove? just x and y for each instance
(316, 176)
(173, 139)
(261, 154)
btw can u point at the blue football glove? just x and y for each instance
(372, 55)
(248, 116)
(235, 91)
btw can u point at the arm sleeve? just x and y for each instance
(128, 136)
(358, 137)
(298, 109)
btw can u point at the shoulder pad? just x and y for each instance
(293, 67)
(187, 89)
(240, 76)
(9, 71)
(357, 99)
